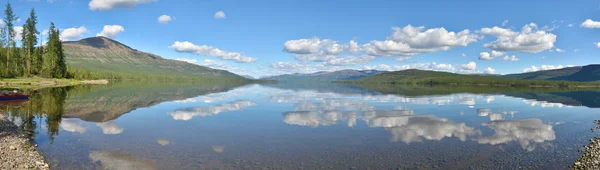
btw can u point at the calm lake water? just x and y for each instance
(318, 126)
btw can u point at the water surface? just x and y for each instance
(294, 126)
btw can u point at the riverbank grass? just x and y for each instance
(37, 82)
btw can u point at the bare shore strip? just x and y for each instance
(44, 82)
(16, 150)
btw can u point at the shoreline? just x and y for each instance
(17, 151)
(44, 82)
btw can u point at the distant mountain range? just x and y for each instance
(106, 57)
(325, 76)
(587, 73)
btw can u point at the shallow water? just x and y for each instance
(321, 126)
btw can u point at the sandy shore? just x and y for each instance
(16, 151)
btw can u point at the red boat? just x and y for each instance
(13, 96)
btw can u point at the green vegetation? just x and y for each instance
(324, 76)
(423, 77)
(37, 83)
(29, 60)
(589, 73)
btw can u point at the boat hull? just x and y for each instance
(6, 98)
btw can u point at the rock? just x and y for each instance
(12, 148)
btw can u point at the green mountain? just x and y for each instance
(413, 76)
(587, 73)
(101, 57)
(324, 76)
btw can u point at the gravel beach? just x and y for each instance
(16, 151)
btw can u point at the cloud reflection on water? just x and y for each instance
(203, 111)
(406, 126)
(526, 131)
(121, 160)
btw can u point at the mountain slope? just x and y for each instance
(325, 76)
(107, 58)
(582, 73)
(413, 76)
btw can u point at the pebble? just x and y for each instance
(11, 157)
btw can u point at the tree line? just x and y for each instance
(30, 60)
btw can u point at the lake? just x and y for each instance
(306, 126)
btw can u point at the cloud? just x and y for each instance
(163, 142)
(45, 32)
(511, 58)
(469, 66)
(70, 34)
(544, 67)
(504, 23)
(321, 47)
(101, 5)
(120, 160)
(191, 61)
(351, 60)
(497, 54)
(219, 15)
(597, 45)
(72, 126)
(485, 56)
(489, 70)
(164, 19)
(204, 50)
(402, 59)
(421, 66)
(110, 128)
(411, 40)
(559, 50)
(18, 31)
(111, 31)
(203, 111)
(463, 55)
(218, 149)
(590, 24)
(530, 39)
(527, 132)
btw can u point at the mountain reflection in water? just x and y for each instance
(283, 126)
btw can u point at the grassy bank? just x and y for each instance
(44, 82)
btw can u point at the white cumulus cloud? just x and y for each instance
(588, 23)
(101, 5)
(511, 58)
(485, 56)
(219, 15)
(164, 19)
(204, 50)
(544, 67)
(111, 31)
(469, 66)
(70, 34)
(412, 40)
(530, 39)
(489, 70)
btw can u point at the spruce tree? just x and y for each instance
(30, 39)
(9, 18)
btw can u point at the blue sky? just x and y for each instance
(261, 37)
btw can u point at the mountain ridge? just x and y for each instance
(346, 74)
(587, 73)
(107, 58)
